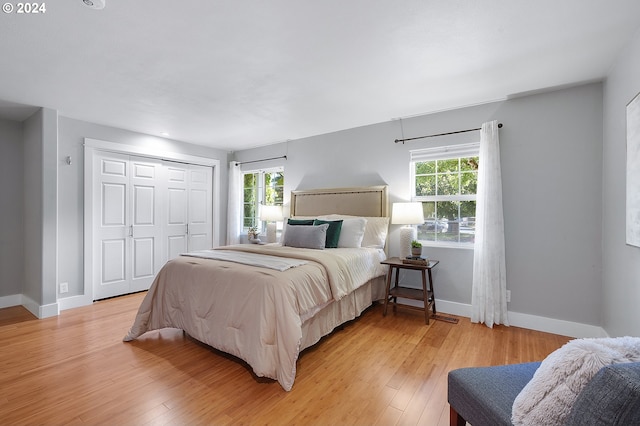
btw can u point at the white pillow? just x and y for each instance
(548, 397)
(375, 232)
(306, 236)
(352, 232)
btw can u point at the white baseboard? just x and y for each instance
(555, 326)
(11, 300)
(30, 305)
(50, 310)
(40, 311)
(74, 302)
(516, 319)
(531, 322)
(44, 311)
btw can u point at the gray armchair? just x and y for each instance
(483, 396)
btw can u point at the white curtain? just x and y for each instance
(489, 291)
(234, 208)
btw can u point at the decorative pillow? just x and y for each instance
(313, 237)
(295, 222)
(352, 232)
(547, 399)
(375, 232)
(333, 233)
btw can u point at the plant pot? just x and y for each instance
(416, 251)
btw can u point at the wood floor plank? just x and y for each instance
(74, 369)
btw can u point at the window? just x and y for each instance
(261, 187)
(445, 180)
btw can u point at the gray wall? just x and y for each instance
(11, 208)
(40, 212)
(551, 149)
(621, 263)
(71, 183)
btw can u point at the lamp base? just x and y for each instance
(271, 232)
(407, 234)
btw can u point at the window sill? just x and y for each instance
(463, 246)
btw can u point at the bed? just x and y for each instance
(266, 303)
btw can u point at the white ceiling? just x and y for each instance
(236, 74)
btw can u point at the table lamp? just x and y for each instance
(271, 215)
(407, 214)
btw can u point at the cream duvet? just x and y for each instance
(253, 312)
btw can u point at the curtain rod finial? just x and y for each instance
(499, 125)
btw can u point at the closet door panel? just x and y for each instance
(175, 228)
(200, 210)
(111, 214)
(114, 261)
(176, 245)
(143, 262)
(146, 230)
(144, 205)
(114, 204)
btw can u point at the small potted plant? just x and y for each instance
(253, 233)
(416, 248)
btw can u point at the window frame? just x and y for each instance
(443, 153)
(261, 195)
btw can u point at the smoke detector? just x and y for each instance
(94, 4)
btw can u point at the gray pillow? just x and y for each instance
(302, 236)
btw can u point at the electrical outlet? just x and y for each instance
(64, 288)
(508, 296)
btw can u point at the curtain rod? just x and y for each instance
(441, 134)
(264, 159)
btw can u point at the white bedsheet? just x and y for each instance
(262, 260)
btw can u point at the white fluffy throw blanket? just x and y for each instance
(547, 399)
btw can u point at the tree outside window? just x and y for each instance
(261, 187)
(447, 189)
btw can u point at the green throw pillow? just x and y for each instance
(333, 233)
(300, 221)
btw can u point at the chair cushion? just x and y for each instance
(485, 395)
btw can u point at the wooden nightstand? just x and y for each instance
(426, 295)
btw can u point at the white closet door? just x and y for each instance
(189, 221)
(127, 199)
(111, 218)
(200, 209)
(176, 219)
(145, 212)
(146, 226)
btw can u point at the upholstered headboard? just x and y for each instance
(369, 201)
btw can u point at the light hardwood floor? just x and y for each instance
(75, 369)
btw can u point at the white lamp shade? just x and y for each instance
(271, 213)
(407, 214)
